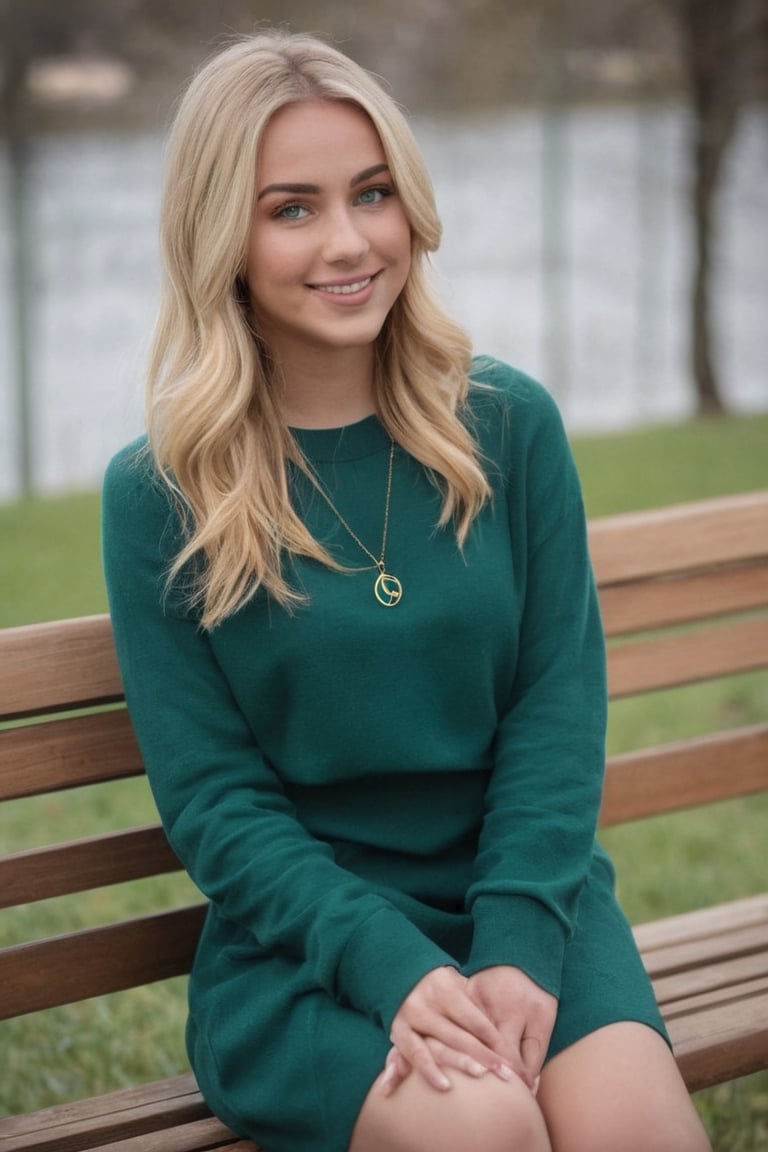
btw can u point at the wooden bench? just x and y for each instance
(684, 593)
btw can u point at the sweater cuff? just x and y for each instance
(383, 960)
(521, 932)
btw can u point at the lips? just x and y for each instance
(347, 289)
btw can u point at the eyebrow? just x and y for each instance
(367, 173)
(314, 189)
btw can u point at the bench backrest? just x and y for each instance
(684, 598)
(684, 595)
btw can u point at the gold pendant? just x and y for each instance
(388, 590)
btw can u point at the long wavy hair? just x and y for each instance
(213, 404)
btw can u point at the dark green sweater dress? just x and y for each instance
(365, 793)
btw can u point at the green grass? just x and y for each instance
(50, 568)
(50, 559)
(667, 464)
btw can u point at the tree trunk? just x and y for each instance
(708, 28)
(710, 151)
(15, 59)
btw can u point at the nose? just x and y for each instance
(345, 241)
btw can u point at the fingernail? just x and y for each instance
(476, 1069)
(505, 1072)
(443, 1083)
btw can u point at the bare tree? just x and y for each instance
(725, 54)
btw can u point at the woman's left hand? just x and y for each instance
(521, 1010)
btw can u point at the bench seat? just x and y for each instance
(167, 1116)
(709, 972)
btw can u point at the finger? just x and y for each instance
(457, 1057)
(451, 1058)
(415, 1051)
(445, 995)
(450, 1035)
(448, 1057)
(454, 1019)
(469, 1016)
(532, 1052)
(396, 1070)
(514, 1062)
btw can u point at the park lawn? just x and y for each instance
(50, 568)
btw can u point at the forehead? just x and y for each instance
(318, 134)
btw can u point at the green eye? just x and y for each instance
(373, 195)
(291, 211)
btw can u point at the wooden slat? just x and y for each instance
(710, 973)
(725, 994)
(56, 666)
(722, 1041)
(643, 605)
(60, 869)
(702, 923)
(199, 1136)
(679, 538)
(646, 665)
(687, 773)
(151, 1112)
(96, 961)
(100, 1120)
(67, 753)
(679, 993)
(696, 953)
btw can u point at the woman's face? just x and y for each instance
(330, 246)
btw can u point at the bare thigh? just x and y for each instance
(619, 1088)
(485, 1115)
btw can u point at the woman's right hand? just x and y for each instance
(439, 1025)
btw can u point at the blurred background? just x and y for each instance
(601, 167)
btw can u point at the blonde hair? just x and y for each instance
(214, 422)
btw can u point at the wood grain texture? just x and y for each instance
(67, 753)
(687, 658)
(685, 774)
(166, 1110)
(96, 961)
(53, 667)
(80, 865)
(679, 538)
(650, 603)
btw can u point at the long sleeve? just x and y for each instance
(544, 792)
(223, 805)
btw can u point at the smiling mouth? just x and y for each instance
(343, 289)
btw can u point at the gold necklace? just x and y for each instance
(387, 588)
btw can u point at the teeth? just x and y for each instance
(344, 289)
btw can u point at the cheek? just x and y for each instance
(404, 232)
(268, 269)
(399, 240)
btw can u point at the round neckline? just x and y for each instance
(355, 441)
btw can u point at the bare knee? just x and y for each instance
(485, 1115)
(500, 1118)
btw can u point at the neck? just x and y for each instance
(328, 392)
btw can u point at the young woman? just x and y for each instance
(361, 648)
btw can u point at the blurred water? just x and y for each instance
(604, 323)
